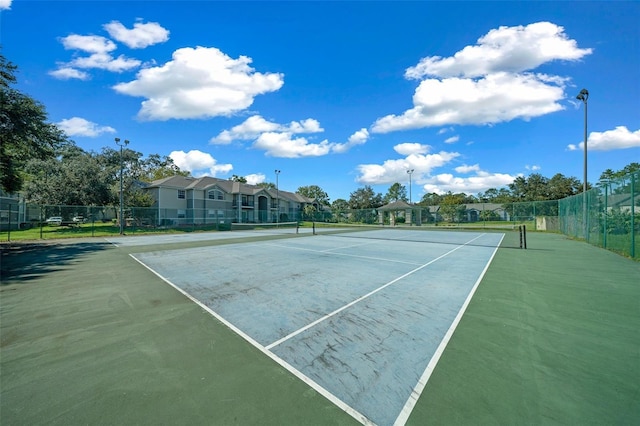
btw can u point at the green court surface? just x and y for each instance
(89, 336)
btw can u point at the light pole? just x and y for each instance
(410, 172)
(583, 96)
(277, 198)
(125, 143)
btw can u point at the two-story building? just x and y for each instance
(206, 200)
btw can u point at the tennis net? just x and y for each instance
(508, 236)
(276, 228)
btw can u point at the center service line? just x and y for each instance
(319, 320)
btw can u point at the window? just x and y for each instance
(182, 214)
(181, 193)
(215, 194)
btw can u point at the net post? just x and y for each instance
(520, 233)
(524, 236)
(314, 227)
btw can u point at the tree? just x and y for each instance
(309, 212)
(76, 178)
(537, 188)
(266, 185)
(453, 207)
(560, 187)
(237, 178)
(518, 188)
(620, 184)
(155, 167)
(628, 169)
(339, 210)
(24, 132)
(493, 195)
(314, 192)
(431, 199)
(340, 204)
(365, 198)
(396, 192)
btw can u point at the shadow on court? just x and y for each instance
(22, 263)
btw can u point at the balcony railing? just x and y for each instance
(244, 204)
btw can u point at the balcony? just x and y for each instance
(245, 204)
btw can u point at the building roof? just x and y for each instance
(228, 186)
(396, 205)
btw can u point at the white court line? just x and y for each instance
(343, 254)
(322, 391)
(417, 390)
(348, 305)
(346, 247)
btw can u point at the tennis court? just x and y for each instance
(336, 328)
(362, 317)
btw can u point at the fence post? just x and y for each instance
(9, 228)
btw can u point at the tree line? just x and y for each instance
(533, 188)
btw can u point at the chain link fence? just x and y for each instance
(607, 216)
(54, 220)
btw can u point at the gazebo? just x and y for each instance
(397, 206)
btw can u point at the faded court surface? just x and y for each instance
(363, 320)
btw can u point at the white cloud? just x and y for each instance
(199, 163)
(445, 182)
(199, 83)
(360, 137)
(495, 98)
(255, 178)
(141, 36)
(392, 171)
(77, 126)
(467, 169)
(255, 125)
(278, 139)
(285, 145)
(532, 168)
(90, 44)
(5, 4)
(618, 138)
(66, 73)
(511, 49)
(445, 130)
(452, 139)
(408, 148)
(105, 61)
(100, 57)
(490, 82)
(305, 126)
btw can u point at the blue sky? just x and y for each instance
(468, 95)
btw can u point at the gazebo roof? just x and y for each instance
(396, 205)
